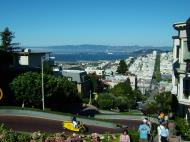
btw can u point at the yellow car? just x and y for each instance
(70, 126)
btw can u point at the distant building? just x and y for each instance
(91, 70)
(181, 67)
(113, 80)
(165, 86)
(154, 53)
(81, 79)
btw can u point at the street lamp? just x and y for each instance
(90, 101)
(42, 65)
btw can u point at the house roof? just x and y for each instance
(27, 53)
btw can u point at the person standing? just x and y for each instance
(144, 130)
(159, 131)
(124, 137)
(164, 132)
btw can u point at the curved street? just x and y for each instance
(31, 124)
(30, 121)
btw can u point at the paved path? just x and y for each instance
(31, 124)
(125, 117)
(29, 121)
(44, 115)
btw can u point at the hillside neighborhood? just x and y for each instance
(111, 95)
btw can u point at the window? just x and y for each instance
(186, 86)
(69, 78)
(188, 45)
(186, 50)
(188, 67)
(177, 54)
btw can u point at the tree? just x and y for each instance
(48, 67)
(150, 109)
(121, 102)
(122, 68)
(166, 102)
(138, 95)
(60, 94)
(27, 88)
(106, 101)
(122, 89)
(157, 74)
(131, 100)
(95, 83)
(6, 38)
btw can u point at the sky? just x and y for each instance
(105, 22)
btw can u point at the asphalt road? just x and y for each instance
(31, 124)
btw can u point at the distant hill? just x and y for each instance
(97, 48)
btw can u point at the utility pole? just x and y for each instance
(90, 101)
(42, 65)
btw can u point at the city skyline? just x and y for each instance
(100, 22)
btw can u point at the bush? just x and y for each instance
(134, 135)
(23, 138)
(182, 128)
(105, 101)
(121, 103)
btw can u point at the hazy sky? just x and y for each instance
(110, 22)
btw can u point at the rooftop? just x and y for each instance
(74, 71)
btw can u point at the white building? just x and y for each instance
(32, 59)
(91, 70)
(166, 65)
(181, 65)
(143, 68)
(113, 80)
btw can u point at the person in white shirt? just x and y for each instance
(163, 132)
(158, 129)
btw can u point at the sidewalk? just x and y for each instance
(127, 117)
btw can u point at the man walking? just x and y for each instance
(144, 130)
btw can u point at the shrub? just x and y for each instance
(23, 137)
(183, 128)
(105, 101)
(134, 135)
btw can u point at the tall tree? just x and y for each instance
(6, 40)
(166, 102)
(122, 68)
(95, 83)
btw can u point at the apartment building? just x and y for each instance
(181, 67)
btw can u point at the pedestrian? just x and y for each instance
(144, 130)
(166, 118)
(124, 137)
(164, 132)
(148, 122)
(159, 130)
